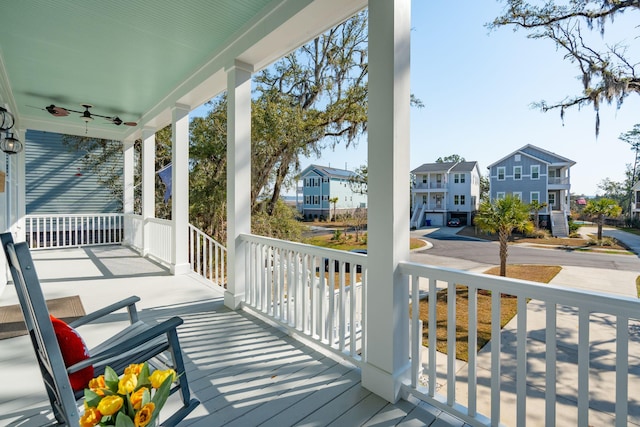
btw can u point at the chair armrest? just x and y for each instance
(129, 303)
(136, 343)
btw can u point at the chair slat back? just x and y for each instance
(43, 338)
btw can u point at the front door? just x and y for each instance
(552, 201)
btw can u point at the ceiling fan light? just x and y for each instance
(87, 118)
(10, 144)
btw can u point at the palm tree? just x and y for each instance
(502, 217)
(536, 207)
(334, 200)
(601, 209)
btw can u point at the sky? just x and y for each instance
(478, 86)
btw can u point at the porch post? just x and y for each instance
(128, 196)
(148, 184)
(238, 178)
(180, 189)
(388, 363)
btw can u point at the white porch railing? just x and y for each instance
(134, 230)
(304, 288)
(527, 366)
(207, 257)
(63, 231)
(160, 241)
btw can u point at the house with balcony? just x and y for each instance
(533, 174)
(441, 191)
(635, 200)
(269, 337)
(322, 184)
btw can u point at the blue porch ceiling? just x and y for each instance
(128, 58)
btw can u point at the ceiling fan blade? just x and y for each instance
(57, 111)
(130, 124)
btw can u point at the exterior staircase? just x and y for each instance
(417, 214)
(559, 225)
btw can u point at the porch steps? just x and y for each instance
(559, 225)
(417, 214)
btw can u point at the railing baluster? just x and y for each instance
(496, 315)
(451, 343)
(521, 375)
(622, 370)
(550, 366)
(472, 343)
(583, 367)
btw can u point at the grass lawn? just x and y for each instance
(536, 273)
(326, 241)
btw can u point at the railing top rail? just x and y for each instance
(159, 221)
(351, 257)
(594, 301)
(39, 216)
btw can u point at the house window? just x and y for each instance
(325, 179)
(517, 172)
(307, 200)
(552, 200)
(424, 199)
(473, 201)
(424, 179)
(535, 196)
(501, 173)
(535, 171)
(518, 157)
(517, 195)
(500, 195)
(462, 199)
(325, 198)
(458, 178)
(456, 200)
(316, 200)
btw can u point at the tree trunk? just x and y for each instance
(600, 223)
(504, 238)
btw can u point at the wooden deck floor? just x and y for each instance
(244, 371)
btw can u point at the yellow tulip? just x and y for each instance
(136, 398)
(134, 368)
(97, 384)
(127, 383)
(158, 377)
(109, 405)
(143, 417)
(90, 418)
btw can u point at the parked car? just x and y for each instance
(453, 222)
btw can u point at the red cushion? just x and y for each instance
(73, 350)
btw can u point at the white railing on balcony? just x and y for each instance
(62, 231)
(310, 290)
(558, 180)
(527, 367)
(160, 241)
(207, 257)
(134, 231)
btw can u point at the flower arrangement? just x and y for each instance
(133, 400)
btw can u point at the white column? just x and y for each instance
(128, 195)
(180, 189)
(238, 178)
(388, 293)
(148, 183)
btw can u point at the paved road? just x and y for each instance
(450, 250)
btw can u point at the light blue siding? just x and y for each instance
(56, 182)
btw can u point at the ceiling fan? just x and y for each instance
(85, 115)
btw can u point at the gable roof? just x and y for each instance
(446, 167)
(328, 171)
(537, 153)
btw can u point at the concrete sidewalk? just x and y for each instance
(632, 241)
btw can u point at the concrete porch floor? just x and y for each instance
(244, 371)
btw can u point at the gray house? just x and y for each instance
(441, 191)
(532, 173)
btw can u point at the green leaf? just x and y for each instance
(122, 420)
